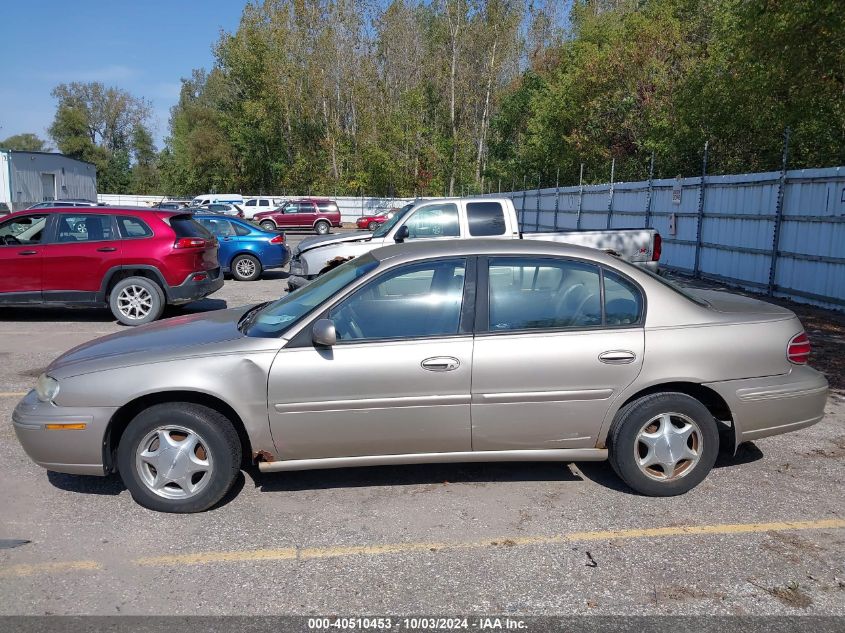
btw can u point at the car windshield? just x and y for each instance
(385, 228)
(277, 317)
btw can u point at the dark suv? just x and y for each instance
(319, 214)
(133, 261)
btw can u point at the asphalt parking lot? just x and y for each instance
(764, 533)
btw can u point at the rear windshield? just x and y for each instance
(677, 287)
(186, 226)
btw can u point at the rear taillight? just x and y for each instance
(658, 248)
(279, 239)
(798, 349)
(190, 242)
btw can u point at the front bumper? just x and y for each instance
(775, 404)
(298, 267)
(190, 290)
(79, 452)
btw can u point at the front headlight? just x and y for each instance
(47, 388)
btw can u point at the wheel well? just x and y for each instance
(123, 416)
(706, 396)
(120, 275)
(323, 220)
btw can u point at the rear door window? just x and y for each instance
(84, 228)
(485, 218)
(218, 226)
(130, 227)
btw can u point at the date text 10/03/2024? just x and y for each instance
(420, 623)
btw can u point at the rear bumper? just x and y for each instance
(776, 404)
(190, 290)
(79, 452)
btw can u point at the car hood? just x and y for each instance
(732, 303)
(190, 335)
(324, 240)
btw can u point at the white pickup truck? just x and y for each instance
(455, 218)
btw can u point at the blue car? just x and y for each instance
(245, 250)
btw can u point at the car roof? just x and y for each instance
(411, 251)
(101, 209)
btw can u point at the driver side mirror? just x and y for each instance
(401, 234)
(323, 333)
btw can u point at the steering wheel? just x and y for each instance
(10, 240)
(346, 324)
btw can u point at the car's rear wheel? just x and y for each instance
(268, 225)
(136, 301)
(179, 457)
(321, 228)
(246, 268)
(663, 444)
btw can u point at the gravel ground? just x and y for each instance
(444, 539)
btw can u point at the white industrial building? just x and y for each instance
(30, 177)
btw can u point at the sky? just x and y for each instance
(144, 47)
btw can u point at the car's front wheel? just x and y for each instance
(246, 268)
(663, 444)
(136, 301)
(372, 226)
(268, 225)
(179, 457)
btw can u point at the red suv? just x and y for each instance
(133, 261)
(319, 214)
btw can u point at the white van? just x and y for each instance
(260, 203)
(213, 198)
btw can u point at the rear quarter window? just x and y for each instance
(485, 218)
(130, 227)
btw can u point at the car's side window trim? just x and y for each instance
(482, 307)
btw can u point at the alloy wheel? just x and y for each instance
(245, 267)
(135, 302)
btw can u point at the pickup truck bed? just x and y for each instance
(468, 218)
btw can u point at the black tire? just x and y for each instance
(219, 439)
(322, 227)
(150, 296)
(372, 226)
(624, 445)
(267, 225)
(247, 263)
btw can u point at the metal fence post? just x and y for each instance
(557, 196)
(522, 208)
(537, 217)
(773, 266)
(650, 192)
(580, 197)
(696, 268)
(610, 194)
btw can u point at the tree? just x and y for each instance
(26, 142)
(108, 127)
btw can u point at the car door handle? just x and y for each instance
(617, 357)
(441, 363)
(106, 249)
(28, 253)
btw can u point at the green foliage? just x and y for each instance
(343, 97)
(107, 127)
(26, 142)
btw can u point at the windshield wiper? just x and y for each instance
(249, 316)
